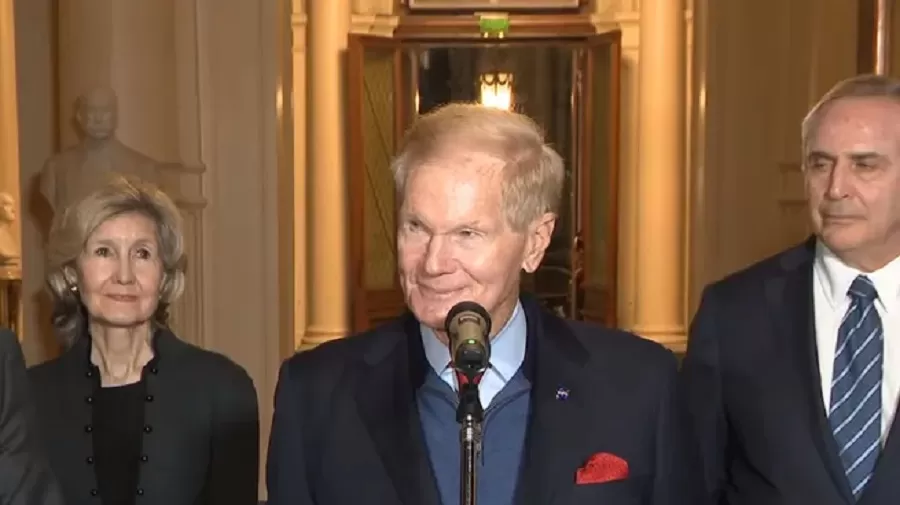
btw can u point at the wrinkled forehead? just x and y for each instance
(463, 183)
(128, 226)
(457, 166)
(858, 124)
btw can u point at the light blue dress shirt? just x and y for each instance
(507, 355)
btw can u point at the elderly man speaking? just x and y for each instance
(573, 413)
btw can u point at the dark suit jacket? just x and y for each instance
(201, 436)
(751, 377)
(346, 428)
(25, 476)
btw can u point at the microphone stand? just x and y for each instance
(470, 415)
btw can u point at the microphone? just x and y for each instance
(468, 327)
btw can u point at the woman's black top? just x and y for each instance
(118, 417)
(187, 434)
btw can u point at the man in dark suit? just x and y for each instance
(793, 365)
(25, 477)
(575, 413)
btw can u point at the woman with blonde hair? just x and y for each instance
(129, 412)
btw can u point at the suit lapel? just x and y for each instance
(790, 299)
(386, 399)
(884, 487)
(556, 426)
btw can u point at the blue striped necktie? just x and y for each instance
(855, 413)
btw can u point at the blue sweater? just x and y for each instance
(503, 440)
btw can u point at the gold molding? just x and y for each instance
(381, 25)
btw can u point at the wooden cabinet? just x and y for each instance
(567, 82)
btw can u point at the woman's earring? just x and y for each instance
(73, 288)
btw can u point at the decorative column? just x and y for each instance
(9, 130)
(883, 17)
(327, 293)
(11, 275)
(660, 197)
(148, 53)
(298, 111)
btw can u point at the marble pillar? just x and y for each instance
(9, 131)
(659, 201)
(10, 221)
(327, 314)
(298, 113)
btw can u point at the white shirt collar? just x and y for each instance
(837, 277)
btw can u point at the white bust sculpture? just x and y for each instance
(9, 246)
(79, 170)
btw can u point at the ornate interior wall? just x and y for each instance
(225, 94)
(201, 86)
(652, 286)
(752, 88)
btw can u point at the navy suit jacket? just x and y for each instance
(346, 428)
(25, 475)
(754, 394)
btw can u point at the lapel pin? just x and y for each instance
(562, 394)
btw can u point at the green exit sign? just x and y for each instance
(493, 25)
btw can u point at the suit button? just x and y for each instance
(88, 428)
(89, 460)
(148, 398)
(140, 492)
(144, 458)
(94, 492)
(148, 428)
(154, 370)
(89, 374)
(89, 399)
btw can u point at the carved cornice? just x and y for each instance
(375, 7)
(521, 26)
(381, 25)
(629, 22)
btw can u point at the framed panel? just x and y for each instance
(489, 5)
(597, 242)
(375, 122)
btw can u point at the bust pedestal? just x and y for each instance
(11, 298)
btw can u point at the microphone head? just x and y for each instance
(468, 327)
(476, 309)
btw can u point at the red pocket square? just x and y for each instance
(602, 467)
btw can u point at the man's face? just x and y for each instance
(455, 244)
(97, 115)
(853, 180)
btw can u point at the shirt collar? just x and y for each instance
(507, 347)
(836, 277)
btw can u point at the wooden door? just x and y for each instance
(596, 244)
(381, 102)
(375, 122)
